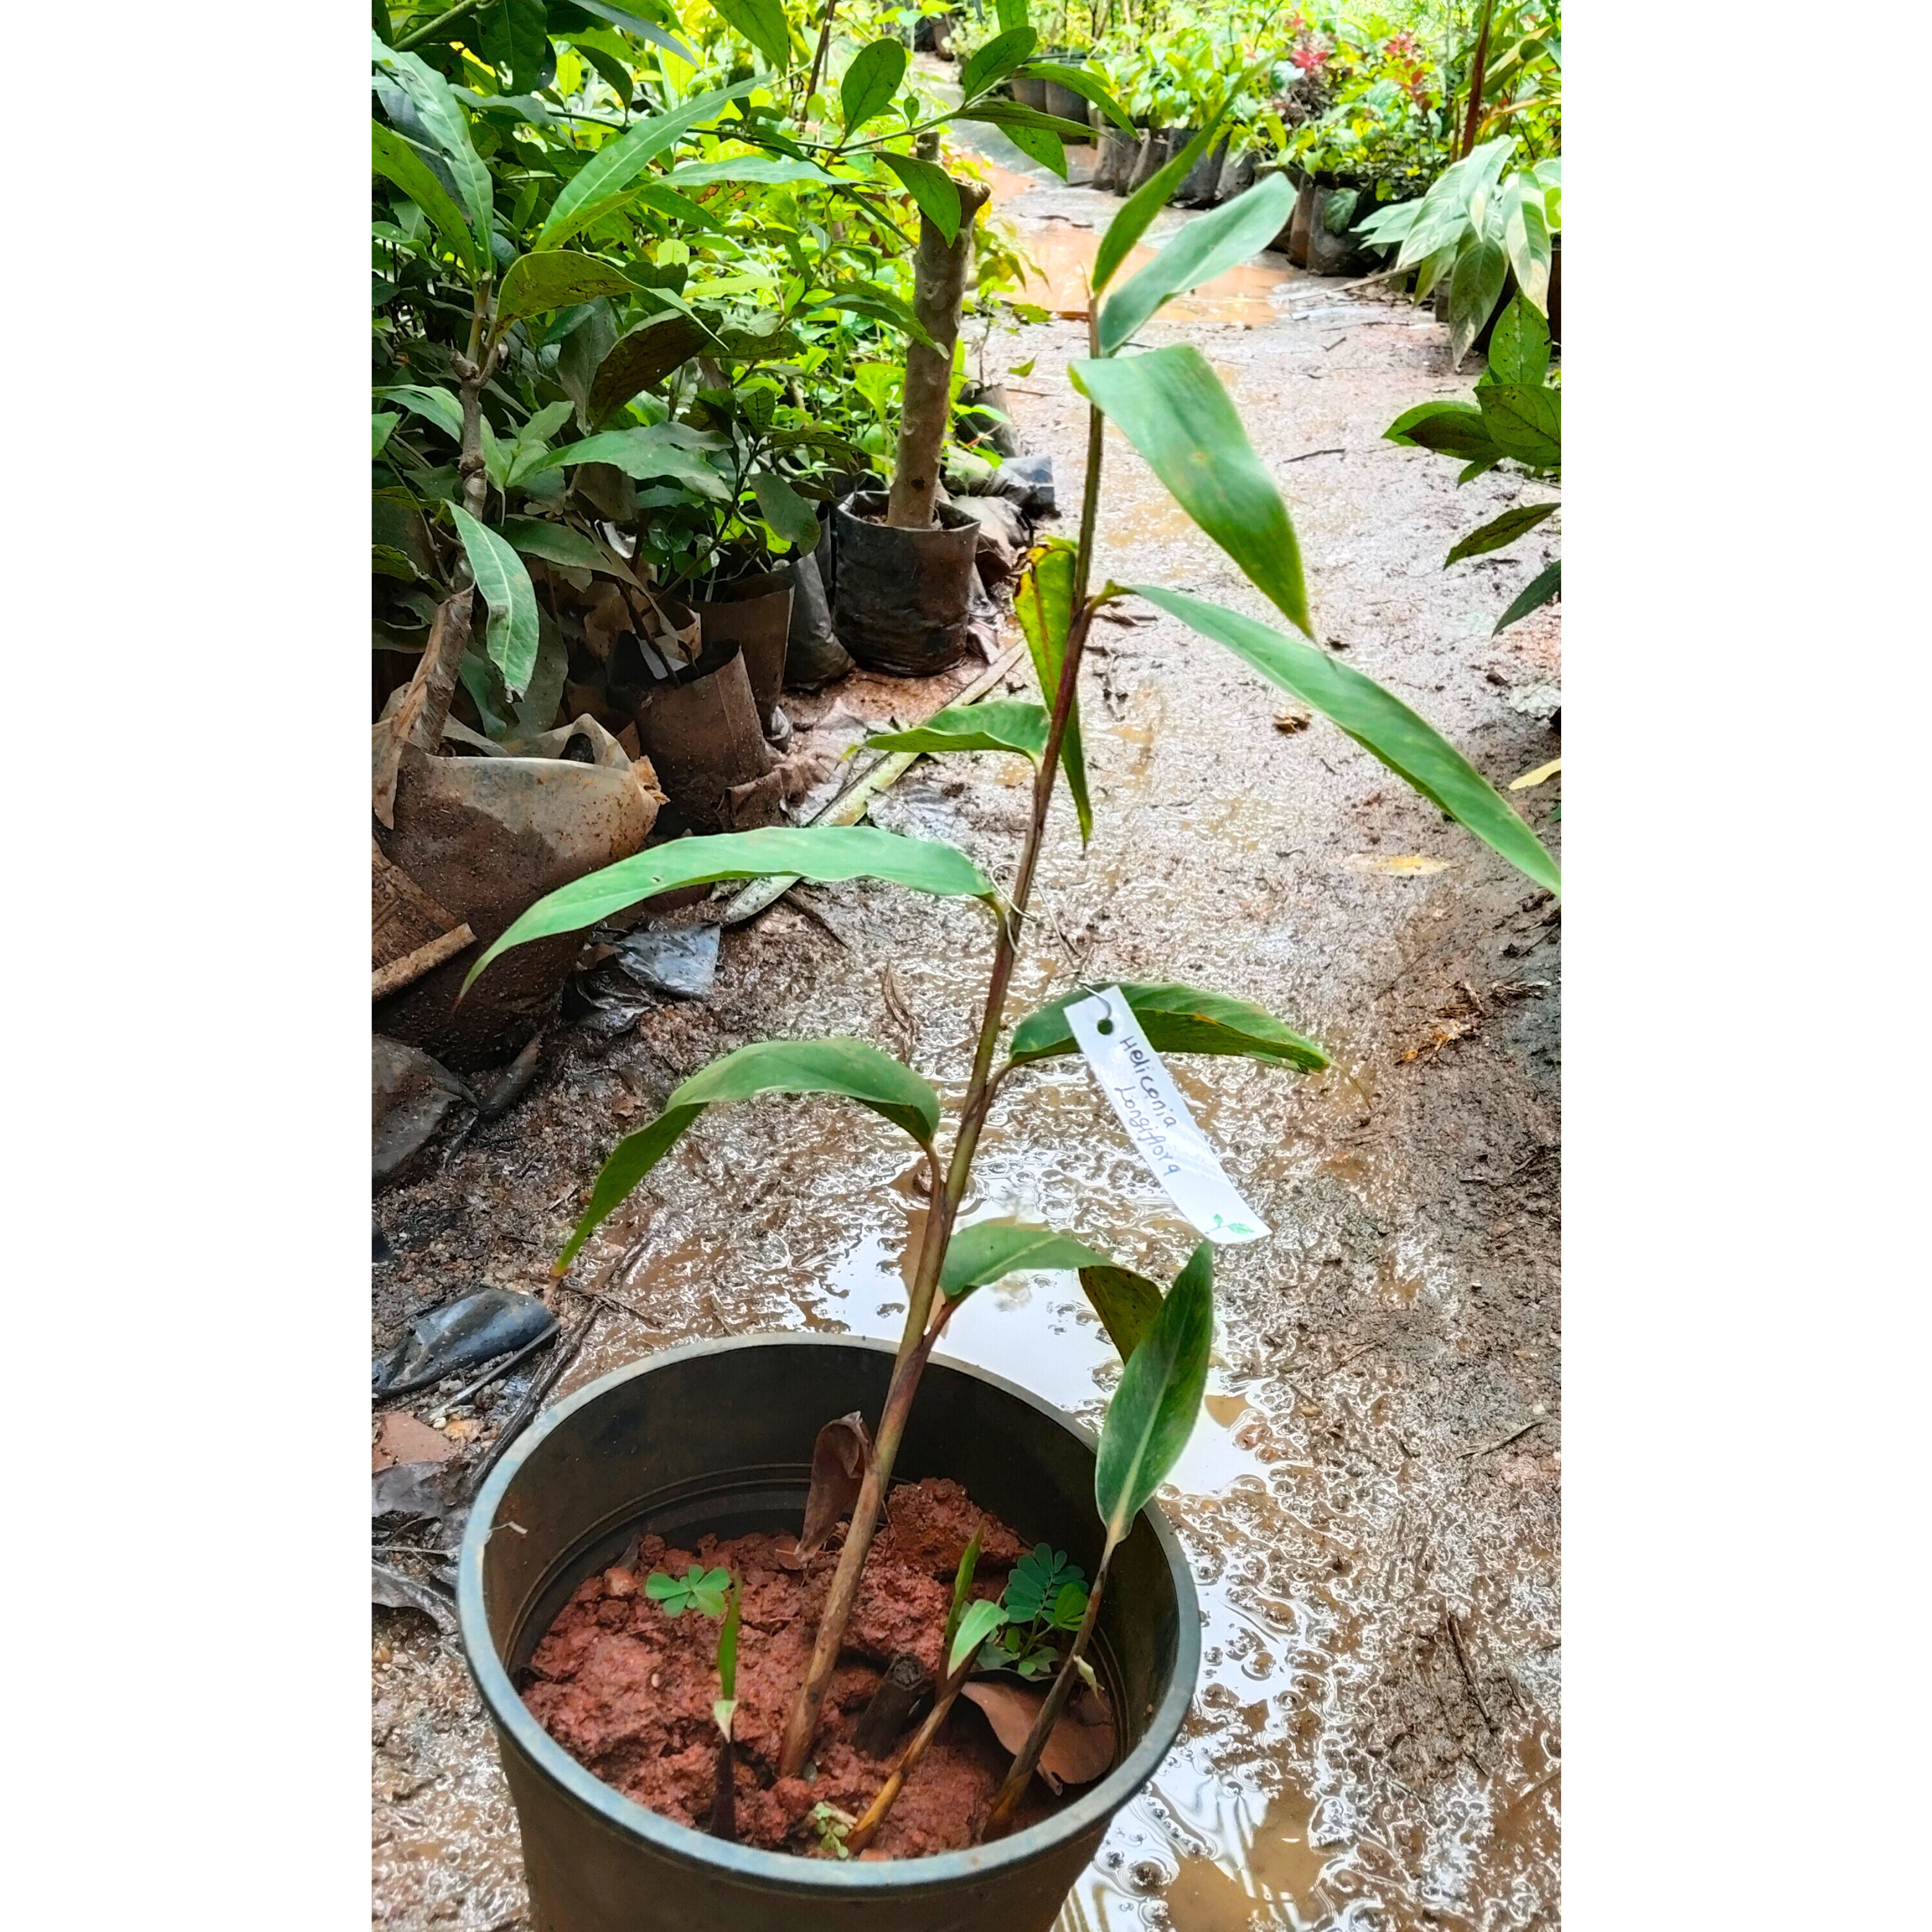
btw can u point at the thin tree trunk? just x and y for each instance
(1478, 68)
(939, 286)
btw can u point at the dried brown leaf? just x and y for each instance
(839, 1460)
(1082, 1746)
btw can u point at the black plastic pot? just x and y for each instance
(1238, 176)
(902, 597)
(1064, 102)
(1156, 145)
(717, 1436)
(1114, 156)
(814, 655)
(1029, 92)
(1201, 183)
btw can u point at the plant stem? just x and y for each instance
(1478, 67)
(430, 28)
(999, 1821)
(725, 1800)
(818, 57)
(861, 1834)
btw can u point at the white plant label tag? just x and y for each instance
(1156, 1117)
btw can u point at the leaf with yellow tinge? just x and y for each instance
(1537, 777)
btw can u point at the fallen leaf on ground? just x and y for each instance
(1082, 1746)
(402, 1438)
(1292, 720)
(1449, 1030)
(1401, 864)
(839, 1460)
(1537, 777)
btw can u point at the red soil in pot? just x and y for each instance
(627, 1691)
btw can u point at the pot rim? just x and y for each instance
(949, 519)
(784, 1870)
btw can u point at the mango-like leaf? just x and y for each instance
(870, 82)
(512, 598)
(760, 21)
(382, 426)
(1519, 346)
(436, 104)
(440, 406)
(1377, 721)
(1172, 407)
(1153, 1411)
(1040, 137)
(618, 163)
(394, 159)
(825, 854)
(1044, 605)
(657, 452)
(1204, 249)
(977, 1622)
(1474, 289)
(770, 171)
(785, 510)
(931, 188)
(554, 278)
(995, 61)
(1089, 86)
(1011, 13)
(1500, 530)
(558, 543)
(876, 304)
(642, 359)
(1146, 201)
(847, 1067)
(1524, 423)
(1453, 429)
(1539, 589)
(989, 1249)
(1176, 1019)
(1524, 235)
(1127, 1304)
(993, 724)
(644, 30)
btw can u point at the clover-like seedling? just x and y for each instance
(833, 1826)
(697, 1589)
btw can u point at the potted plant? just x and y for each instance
(724, 1419)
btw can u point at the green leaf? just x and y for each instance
(824, 853)
(1377, 721)
(1526, 239)
(1040, 137)
(1524, 423)
(989, 1249)
(1141, 206)
(770, 171)
(977, 1622)
(558, 543)
(728, 1656)
(619, 162)
(394, 159)
(384, 559)
(1037, 1581)
(643, 29)
(962, 1581)
(1089, 86)
(995, 61)
(785, 510)
(763, 23)
(506, 588)
(994, 724)
(1519, 346)
(1127, 1304)
(1043, 602)
(1154, 1410)
(846, 1067)
(1172, 407)
(870, 82)
(1204, 249)
(1540, 588)
(1010, 14)
(1501, 530)
(1474, 290)
(1176, 1019)
(382, 426)
(642, 359)
(641, 454)
(1453, 429)
(515, 42)
(436, 104)
(931, 188)
(879, 305)
(555, 278)
(437, 406)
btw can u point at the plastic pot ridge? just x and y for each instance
(717, 1436)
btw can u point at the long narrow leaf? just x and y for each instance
(512, 598)
(825, 854)
(1154, 1409)
(847, 1067)
(1500, 530)
(1172, 407)
(995, 61)
(644, 30)
(1088, 86)
(1044, 605)
(1201, 251)
(1146, 201)
(619, 163)
(989, 1249)
(1176, 1019)
(1377, 721)
(993, 724)
(435, 102)
(1546, 584)
(396, 161)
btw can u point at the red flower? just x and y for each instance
(1308, 58)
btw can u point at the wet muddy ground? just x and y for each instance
(1371, 1503)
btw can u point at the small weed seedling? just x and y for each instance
(697, 1589)
(1045, 1596)
(1170, 405)
(712, 1593)
(833, 1827)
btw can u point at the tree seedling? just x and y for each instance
(1045, 1596)
(711, 1593)
(833, 1827)
(1169, 404)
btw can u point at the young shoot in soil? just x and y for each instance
(1170, 405)
(712, 1593)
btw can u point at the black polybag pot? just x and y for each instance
(1113, 160)
(1202, 181)
(814, 655)
(903, 596)
(717, 1437)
